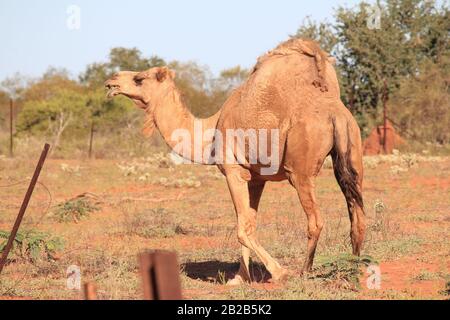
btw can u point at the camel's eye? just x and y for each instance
(138, 81)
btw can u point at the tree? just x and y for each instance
(108, 114)
(231, 78)
(203, 93)
(422, 103)
(321, 32)
(368, 56)
(15, 85)
(411, 33)
(51, 82)
(54, 115)
(195, 84)
(132, 60)
(4, 106)
(119, 59)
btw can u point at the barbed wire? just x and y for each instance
(50, 197)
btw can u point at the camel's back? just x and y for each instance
(280, 88)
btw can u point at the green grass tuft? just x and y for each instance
(345, 269)
(74, 210)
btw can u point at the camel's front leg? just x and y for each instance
(246, 216)
(255, 189)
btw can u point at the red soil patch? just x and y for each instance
(198, 242)
(433, 182)
(400, 276)
(132, 188)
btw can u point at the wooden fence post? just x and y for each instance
(160, 275)
(90, 291)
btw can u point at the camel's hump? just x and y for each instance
(294, 46)
(302, 47)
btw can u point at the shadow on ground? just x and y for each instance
(219, 271)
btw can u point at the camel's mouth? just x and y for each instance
(113, 90)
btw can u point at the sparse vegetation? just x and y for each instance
(199, 224)
(32, 245)
(345, 270)
(426, 275)
(154, 223)
(74, 210)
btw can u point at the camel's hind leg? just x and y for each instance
(255, 189)
(304, 184)
(246, 216)
(348, 169)
(304, 158)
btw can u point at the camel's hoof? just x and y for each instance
(281, 276)
(305, 271)
(236, 281)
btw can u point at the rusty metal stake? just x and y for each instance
(11, 129)
(25, 202)
(91, 138)
(385, 98)
(90, 291)
(160, 275)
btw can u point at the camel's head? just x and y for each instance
(144, 88)
(141, 87)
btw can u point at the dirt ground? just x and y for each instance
(152, 204)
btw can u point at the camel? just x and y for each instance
(292, 89)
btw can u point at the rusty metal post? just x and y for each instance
(25, 202)
(160, 275)
(91, 138)
(90, 291)
(11, 129)
(385, 118)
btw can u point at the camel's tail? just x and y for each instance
(347, 160)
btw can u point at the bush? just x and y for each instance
(75, 209)
(420, 107)
(33, 245)
(345, 269)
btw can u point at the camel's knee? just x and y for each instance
(315, 229)
(246, 229)
(242, 238)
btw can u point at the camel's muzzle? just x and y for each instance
(113, 89)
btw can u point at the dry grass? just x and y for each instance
(148, 203)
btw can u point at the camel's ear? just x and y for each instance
(332, 60)
(163, 73)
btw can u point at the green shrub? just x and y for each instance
(74, 209)
(345, 269)
(32, 245)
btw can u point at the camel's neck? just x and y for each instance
(185, 134)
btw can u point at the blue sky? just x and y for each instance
(34, 34)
